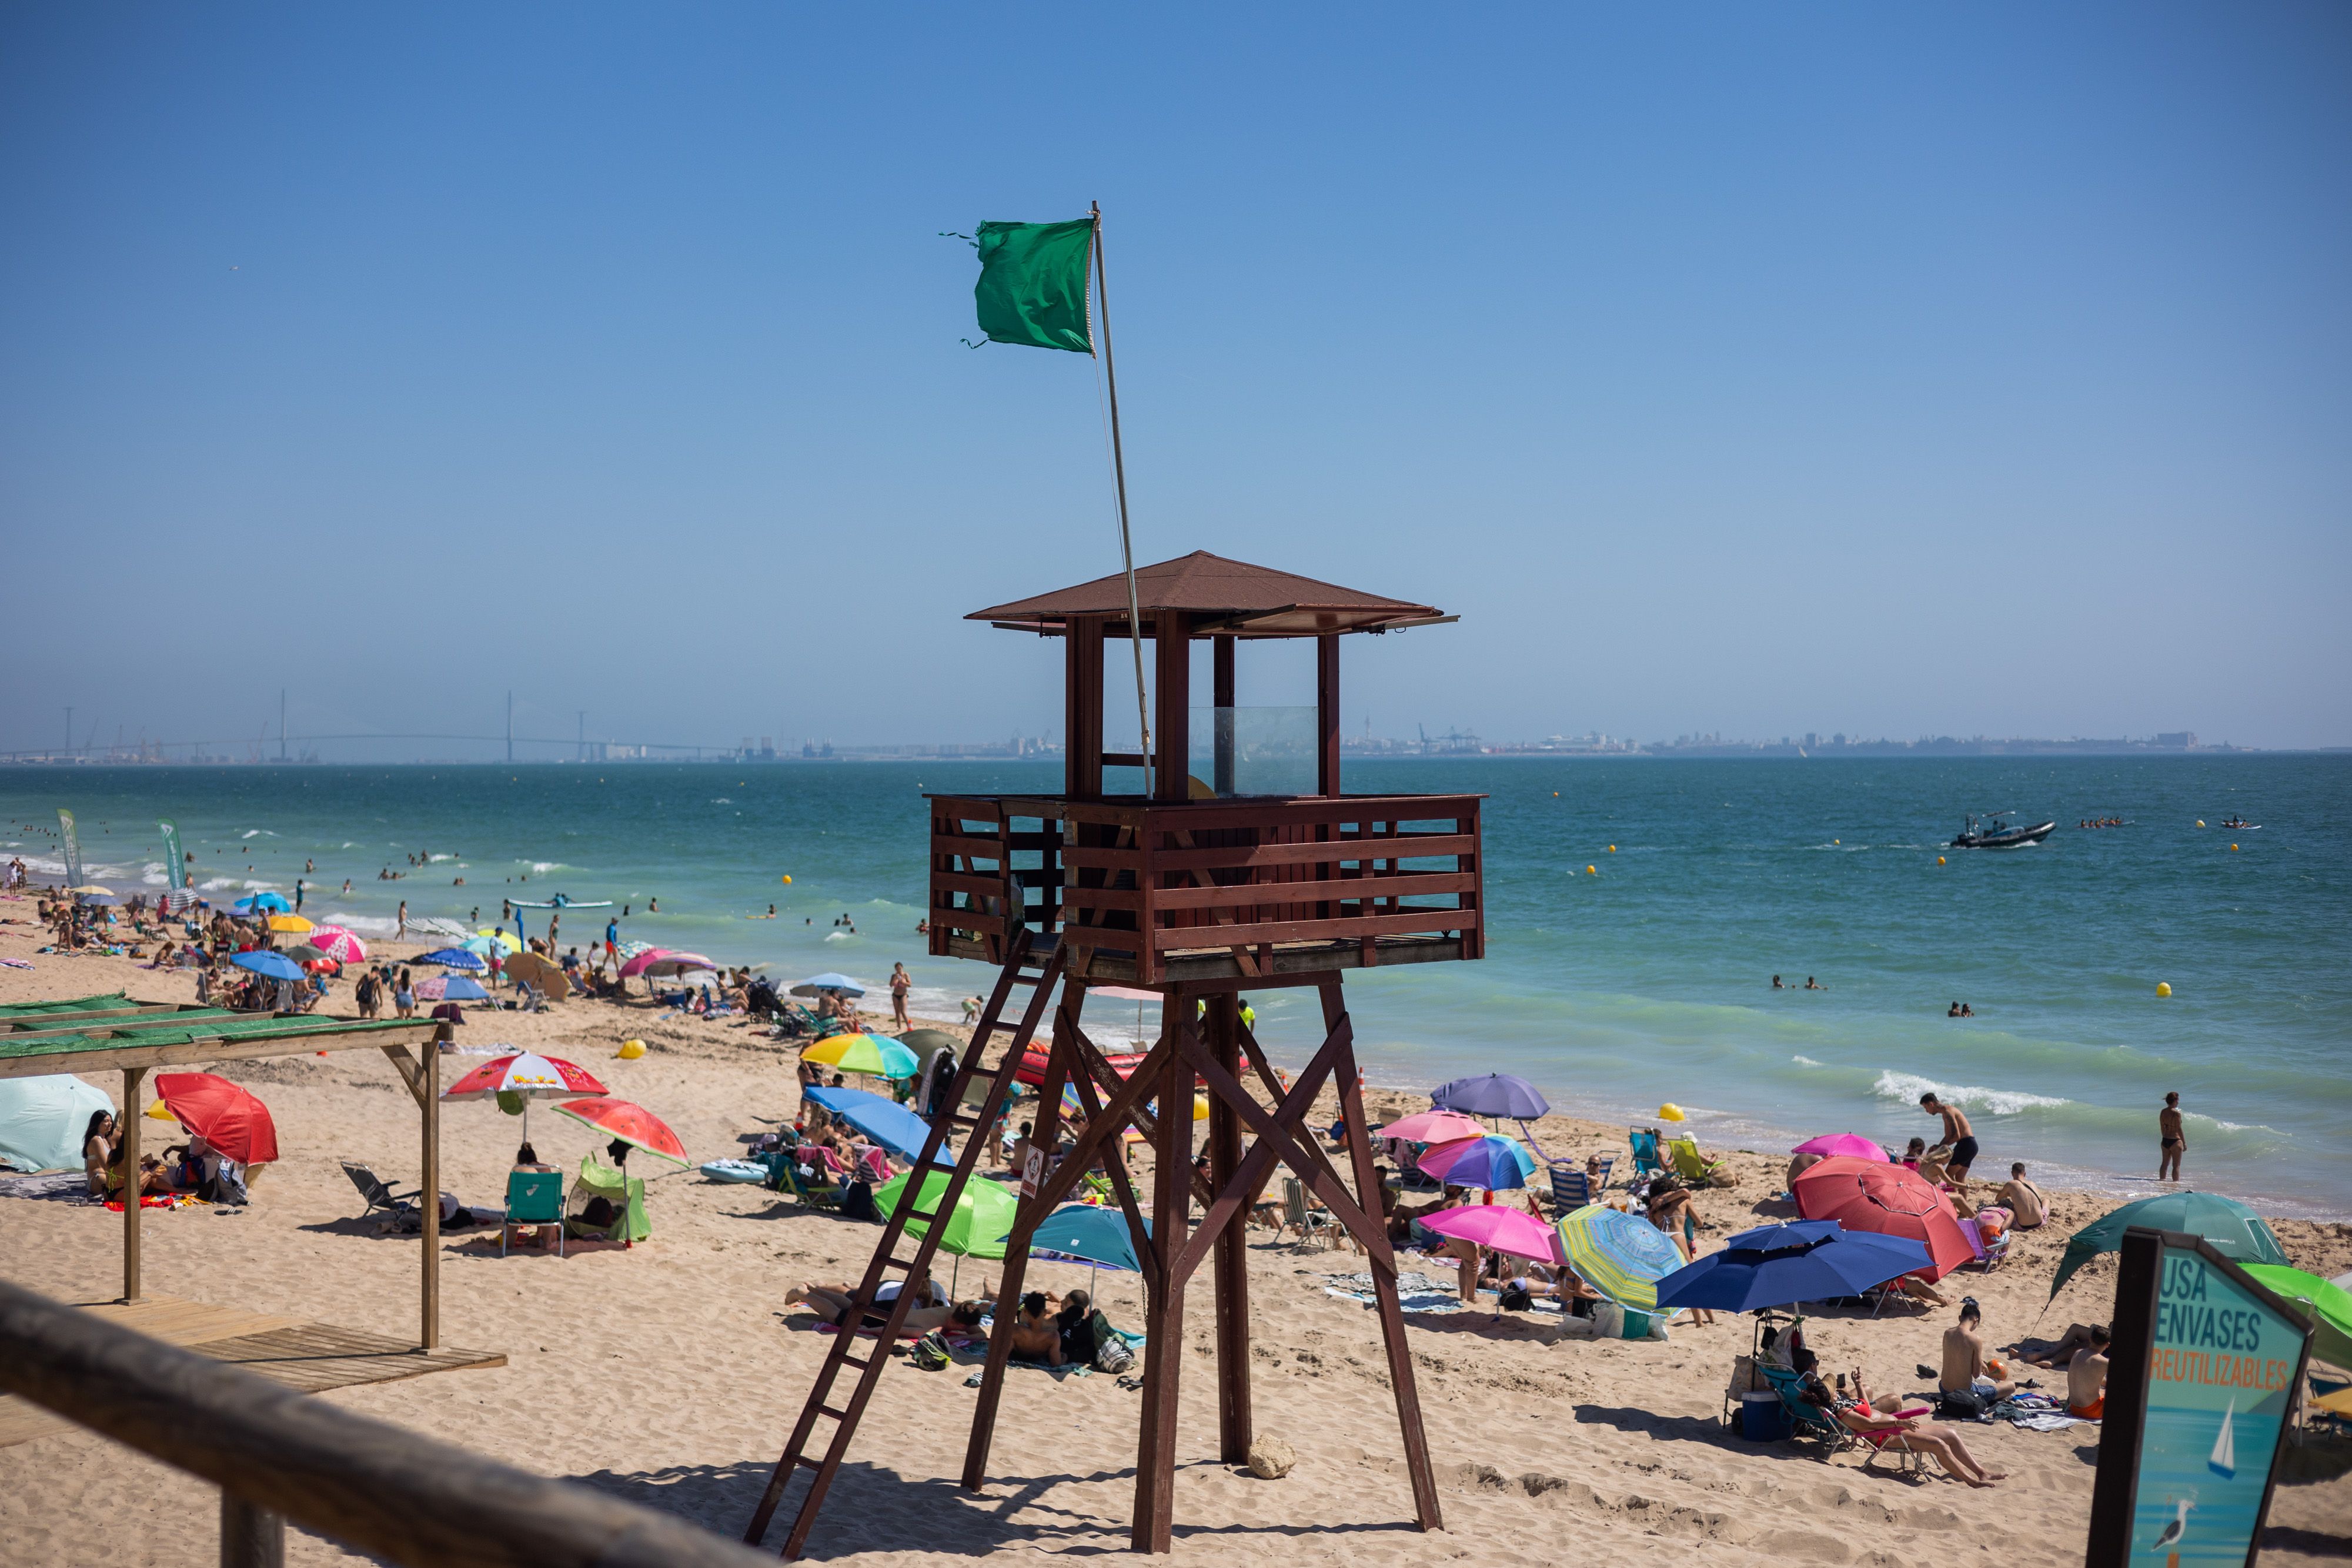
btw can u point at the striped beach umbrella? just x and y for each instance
(870, 1053)
(1620, 1255)
(341, 945)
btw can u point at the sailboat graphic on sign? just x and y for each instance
(2223, 1461)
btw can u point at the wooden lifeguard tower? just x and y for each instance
(1200, 891)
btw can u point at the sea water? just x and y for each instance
(1644, 980)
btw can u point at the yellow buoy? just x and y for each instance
(1670, 1111)
(2164, 988)
(1612, 849)
(1837, 841)
(1592, 871)
(1939, 860)
(2200, 821)
(631, 1049)
(2233, 849)
(788, 882)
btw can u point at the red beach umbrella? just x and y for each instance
(632, 1124)
(221, 1113)
(1892, 1200)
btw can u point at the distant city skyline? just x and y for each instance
(1739, 371)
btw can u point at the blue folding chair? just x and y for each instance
(1648, 1160)
(1571, 1189)
(533, 1198)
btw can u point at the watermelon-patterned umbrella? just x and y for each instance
(632, 1124)
(528, 1076)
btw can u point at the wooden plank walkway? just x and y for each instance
(304, 1356)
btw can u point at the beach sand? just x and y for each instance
(670, 1374)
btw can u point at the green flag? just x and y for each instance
(1033, 284)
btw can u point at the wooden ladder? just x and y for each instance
(1020, 969)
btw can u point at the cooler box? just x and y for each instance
(1762, 1417)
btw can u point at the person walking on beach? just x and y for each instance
(900, 983)
(401, 933)
(2174, 1141)
(1956, 1132)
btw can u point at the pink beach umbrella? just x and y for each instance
(343, 946)
(1501, 1227)
(1854, 1146)
(1433, 1127)
(657, 961)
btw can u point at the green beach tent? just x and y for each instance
(2329, 1307)
(2237, 1231)
(983, 1216)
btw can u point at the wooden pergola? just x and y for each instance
(112, 1033)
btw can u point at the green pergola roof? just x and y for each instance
(99, 1034)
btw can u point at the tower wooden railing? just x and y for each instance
(278, 1455)
(1154, 893)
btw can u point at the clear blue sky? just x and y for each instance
(1879, 368)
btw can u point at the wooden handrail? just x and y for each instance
(363, 1482)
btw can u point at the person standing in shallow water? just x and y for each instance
(2173, 1139)
(900, 983)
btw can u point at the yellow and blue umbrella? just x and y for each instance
(871, 1053)
(1622, 1256)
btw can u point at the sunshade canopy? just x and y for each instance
(1433, 1127)
(2235, 1231)
(2327, 1304)
(1501, 1227)
(1781, 1265)
(977, 1227)
(1086, 1233)
(892, 1126)
(1892, 1200)
(1492, 1095)
(44, 1120)
(1618, 1254)
(819, 985)
(456, 958)
(274, 966)
(526, 1073)
(868, 1053)
(223, 1113)
(1228, 598)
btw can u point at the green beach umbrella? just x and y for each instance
(982, 1216)
(2329, 1307)
(2235, 1231)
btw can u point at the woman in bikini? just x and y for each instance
(1884, 1431)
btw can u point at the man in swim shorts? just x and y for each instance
(1956, 1132)
(2086, 1378)
(2174, 1140)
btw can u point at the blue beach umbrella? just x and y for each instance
(462, 989)
(276, 965)
(1493, 1094)
(818, 985)
(1090, 1234)
(454, 958)
(261, 902)
(890, 1125)
(1781, 1265)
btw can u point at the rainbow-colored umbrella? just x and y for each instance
(1490, 1163)
(871, 1053)
(1620, 1255)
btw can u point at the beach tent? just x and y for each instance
(42, 1121)
(2235, 1231)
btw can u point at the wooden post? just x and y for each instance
(1221, 682)
(1233, 1417)
(133, 1113)
(1082, 716)
(1327, 715)
(1172, 1217)
(1382, 1259)
(251, 1536)
(1172, 647)
(429, 1070)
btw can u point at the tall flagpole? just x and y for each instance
(1118, 468)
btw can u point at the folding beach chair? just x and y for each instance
(378, 1196)
(1310, 1223)
(1647, 1161)
(1571, 1189)
(810, 1197)
(1809, 1420)
(1694, 1167)
(1601, 1177)
(1990, 1255)
(533, 1198)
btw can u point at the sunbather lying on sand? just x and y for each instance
(931, 1309)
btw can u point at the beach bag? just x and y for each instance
(931, 1352)
(1961, 1405)
(1115, 1354)
(858, 1203)
(1516, 1298)
(1744, 1379)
